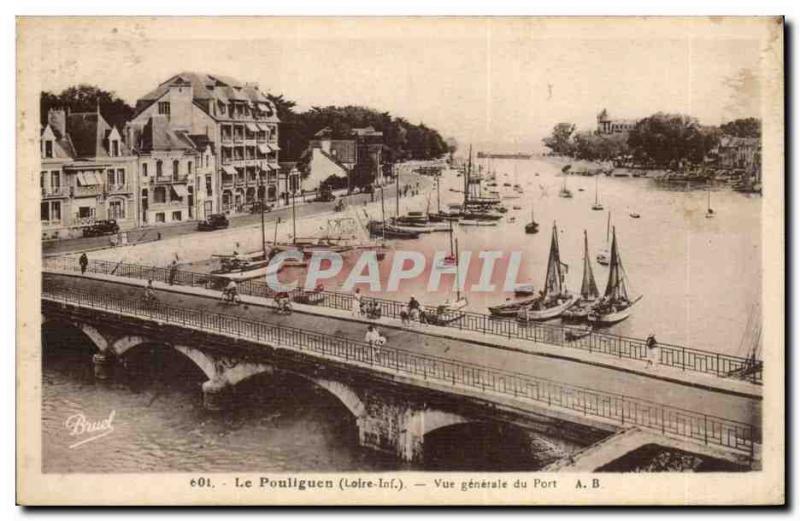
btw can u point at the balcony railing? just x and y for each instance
(59, 191)
(79, 191)
(461, 377)
(169, 179)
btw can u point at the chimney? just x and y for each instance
(57, 119)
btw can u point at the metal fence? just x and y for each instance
(625, 411)
(684, 358)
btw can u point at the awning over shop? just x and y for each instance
(180, 190)
(263, 127)
(229, 170)
(274, 147)
(252, 127)
(264, 149)
(88, 179)
(264, 106)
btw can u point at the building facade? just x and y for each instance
(326, 157)
(606, 125)
(236, 122)
(88, 173)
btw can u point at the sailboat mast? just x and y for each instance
(596, 180)
(608, 227)
(458, 277)
(438, 200)
(397, 193)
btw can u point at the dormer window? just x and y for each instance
(48, 148)
(115, 148)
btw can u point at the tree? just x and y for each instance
(669, 140)
(744, 127)
(88, 98)
(559, 142)
(364, 172)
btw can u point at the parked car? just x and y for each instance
(324, 196)
(213, 222)
(99, 228)
(256, 207)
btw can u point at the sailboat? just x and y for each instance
(565, 192)
(750, 347)
(709, 210)
(604, 256)
(589, 293)
(596, 205)
(449, 260)
(615, 305)
(459, 302)
(533, 226)
(554, 299)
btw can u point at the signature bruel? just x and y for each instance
(85, 430)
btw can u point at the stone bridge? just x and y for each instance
(396, 396)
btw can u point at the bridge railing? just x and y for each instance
(681, 357)
(620, 409)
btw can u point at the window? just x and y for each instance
(45, 210)
(174, 196)
(189, 168)
(176, 216)
(48, 149)
(84, 212)
(55, 211)
(159, 168)
(116, 209)
(110, 176)
(160, 195)
(160, 217)
(163, 108)
(144, 169)
(42, 181)
(55, 180)
(121, 176)
(175, 169)
(115, 148)
(208, 185)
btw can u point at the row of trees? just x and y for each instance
(402, 139)
(664, 140)
(87, 98)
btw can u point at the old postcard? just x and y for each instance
(400, 261)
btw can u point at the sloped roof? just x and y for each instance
(207, 86)
(88, 133)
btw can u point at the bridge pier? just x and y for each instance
(216, 394)
(103, 366)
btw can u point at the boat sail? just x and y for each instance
(565, 192)
(596, 205)
(589, 291)
(750, 347)
(533, 226)
(615, 305)
(604, 255)
(459, 302)
(554, 299)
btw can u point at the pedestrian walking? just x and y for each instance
(374, 339)
(356, 303)
(173, 270)
(653, 350)
(84, 262)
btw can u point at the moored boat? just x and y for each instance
(589, 293)
(554, 299)
(615, 305)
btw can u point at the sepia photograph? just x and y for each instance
(400, 260)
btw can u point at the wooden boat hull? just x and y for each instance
(530, 315)
(607, 319)
(510, 309)
(254, 273)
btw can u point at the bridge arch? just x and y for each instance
(97, 339)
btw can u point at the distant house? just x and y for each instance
(326, 156)
(87, 174)
(606, 125)
(741, 153)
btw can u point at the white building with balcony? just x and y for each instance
(238, 122)
(87, 174)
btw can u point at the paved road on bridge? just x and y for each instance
(717, 403)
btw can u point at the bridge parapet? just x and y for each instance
(499, 387)
(620, 347)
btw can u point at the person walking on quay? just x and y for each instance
(356, 303)
(173, 270)
(84, 262)
(653, 351)
(413, 308)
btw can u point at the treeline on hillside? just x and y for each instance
(664, 140)
(401, 139)
(87, 98)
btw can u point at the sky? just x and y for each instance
(499, 84)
